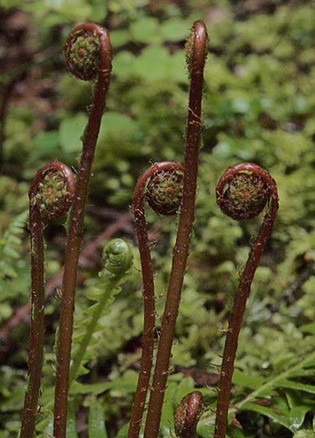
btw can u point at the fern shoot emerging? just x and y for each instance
(242, 193)
(161, 185)
(50, 197)
(197, 58)
(187, 415)
(88, 55)
(118, 260)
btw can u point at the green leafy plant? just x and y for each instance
(117, 258)
(254, 110)
(10, 243)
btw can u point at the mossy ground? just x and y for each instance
(258, 106)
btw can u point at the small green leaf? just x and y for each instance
(296, 385)
(167, 417)
(205, 431)
(270, 413)
(185, 386)
(71, 422)
(47, 144)
(92, 388)
(297, 416)
(119, 37)
(308, 328)
(174, 30)
(304, 434)
(146, 30)
(123, 432)
(97, 421)
(242, 379)
(70, 133)
(234, 432)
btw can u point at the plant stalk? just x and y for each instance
(186, 218)
(148, 295)
(241, 296)
(37, 327)
(76, 231)
(50, 197)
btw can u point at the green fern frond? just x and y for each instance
(117, 256)
(89, 327)
(10, 250)
(280, 386)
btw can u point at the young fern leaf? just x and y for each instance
(71, 422)
(161, 186)
(50, 197)
(97, 427)
(243, 192)
(117, 256)
(10, 243)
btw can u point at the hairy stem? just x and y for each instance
(186, 217)
(148, 295)
(238, 309)
(50, 197)
(37, 328)
(76, 228)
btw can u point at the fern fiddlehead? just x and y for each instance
(187, 415)
(84, 43)
(197, 47)
(50, 197)
(118, 259)
(161, 186)
(52, 190)
(164, 190)
(242, 192)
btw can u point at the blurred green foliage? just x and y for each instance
(258, 106)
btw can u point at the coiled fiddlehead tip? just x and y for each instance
(187, 415)
(117, 256)
(194, 43)
(164, 190)
(243, 191)
(52, 190)
(82, 51)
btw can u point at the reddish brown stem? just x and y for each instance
(148, 294)
(180, 253)
(76, 224)
(238, 309)
(37, 328)
(54, 207)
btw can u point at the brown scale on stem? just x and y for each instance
(88, 56)
(161, 186)
(242, 192)
(50, 198)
